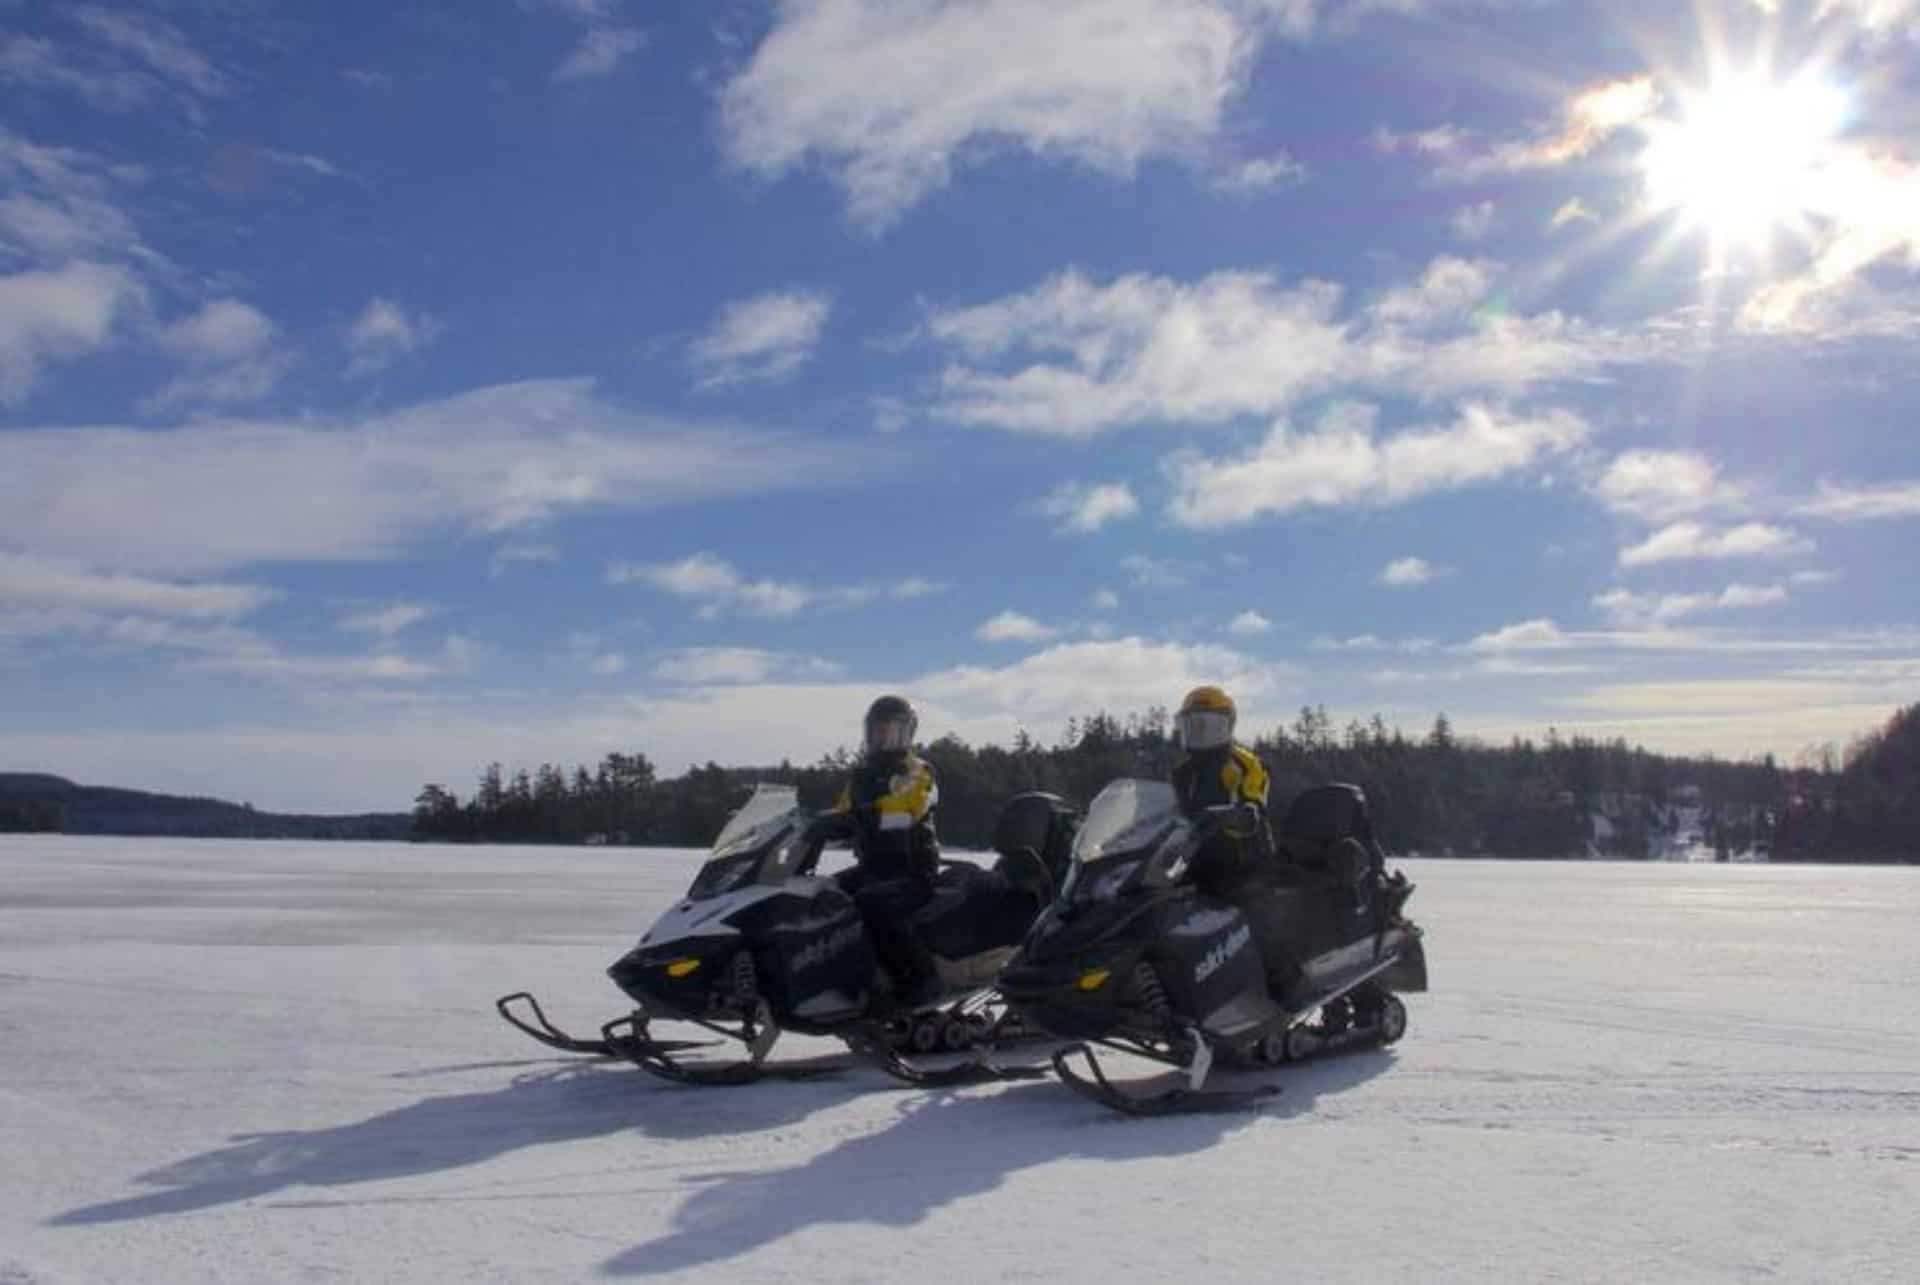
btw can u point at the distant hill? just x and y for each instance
(36, 801)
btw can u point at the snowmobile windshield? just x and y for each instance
(759, 844)
(1131, 838)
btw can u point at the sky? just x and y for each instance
(399, 388)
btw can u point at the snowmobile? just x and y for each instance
(761, 944)
(1133, 956)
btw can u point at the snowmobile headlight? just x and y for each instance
(1094, 978)
(682, 967)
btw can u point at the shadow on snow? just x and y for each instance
(561, 1104)
(940, 1148)
(944, 1147)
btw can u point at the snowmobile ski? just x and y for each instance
(878, 1050)
(1182, 1099)
(610, 1044)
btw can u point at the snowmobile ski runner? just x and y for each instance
(1133, 957)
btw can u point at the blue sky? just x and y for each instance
(394, 389)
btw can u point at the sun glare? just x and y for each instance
(1741, 162)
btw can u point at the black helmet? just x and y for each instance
(890, 726)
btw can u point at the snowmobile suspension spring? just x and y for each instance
(1149, 992)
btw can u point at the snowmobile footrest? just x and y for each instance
(1179, 1100)
(970, 1072)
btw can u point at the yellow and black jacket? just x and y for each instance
(886, 808)
(1209, 778)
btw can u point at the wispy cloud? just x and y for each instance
(1086, 507)
(1473, 222)
(1864, 503)
(1260, 174)
(55, 316)
(762, 338)
(705, 666)
(1344, 463)
(1404, 573)
(1012, 626)
(1587, 120)
(492, 461)
(722, 589)
(384, 332)
(1249, 624)
(1627, 607)
(36, 582)
(388, 621)
(1694, 541)
(1150, 350)
(1658, 486)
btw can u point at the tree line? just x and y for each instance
(1435, 793)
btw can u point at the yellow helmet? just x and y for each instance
(1206, 719)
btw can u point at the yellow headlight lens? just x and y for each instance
(1094, 978)
(681, 967)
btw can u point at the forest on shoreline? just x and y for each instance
(1436, 793)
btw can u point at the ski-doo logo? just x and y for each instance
(1229, 946)
(826, 948)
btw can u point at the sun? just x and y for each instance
(1741, 162)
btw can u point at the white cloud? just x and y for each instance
(1086, 507)
(1658, 486)
(1249, 623)
(1403, 573)
(242, 381)
(916, 88)
(1586, 121)
(492, 461)
(1447, 290)
(1105, 600)
(1864, 503)
(1261, 174)
(230, 345)
(1692, 541)
(1342, 464)
(223, 330)
(1153, 573)
(701, 666)
(1011, 626)
(721, 588)
(1374, 643)
(1571, 211)
(60, 206)
(1073, 357)
(389, 620)
(57, 316)
(383, 333)
(600, 52)
(521, 555)
(761, 338)
(1472, 222)
(1527, 635)
(158, 45)
(44, 583)
(302, 161)
(1627, 607)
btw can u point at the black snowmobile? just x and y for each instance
(761, 944)
(1134, 957)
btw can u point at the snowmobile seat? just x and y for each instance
(1041, 824)
(1327, 832)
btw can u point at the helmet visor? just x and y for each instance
(889, 735)
(1204, 729)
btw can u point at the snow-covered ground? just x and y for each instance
(225, 1061)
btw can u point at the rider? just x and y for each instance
(886, 809)
(1219, 771)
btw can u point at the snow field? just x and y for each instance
(230, 1061)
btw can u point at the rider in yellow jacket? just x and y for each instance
(1217, 770)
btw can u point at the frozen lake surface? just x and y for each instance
(249, 1062)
